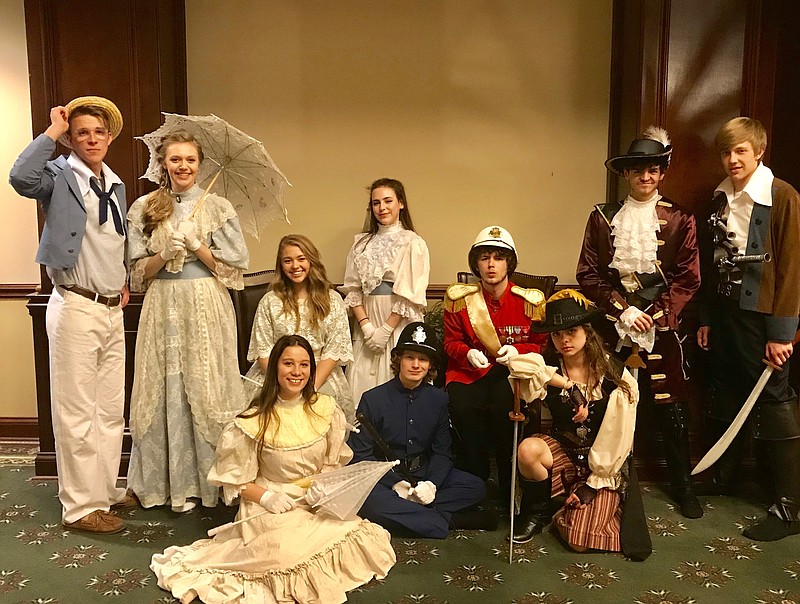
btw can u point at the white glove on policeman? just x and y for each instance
(506, 353)
(477, 359)
(379, 339)
(402, 488)
(174, 244)
(189, 230)
(276, 503)
(424, 492)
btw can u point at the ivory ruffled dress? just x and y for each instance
(330, 340)
(186, 385)
(385, 273)
(297, 556)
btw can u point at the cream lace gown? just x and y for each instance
(330, 341)
(394, 261)
(297, 556)
(186, 385)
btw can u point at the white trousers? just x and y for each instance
(87, 399)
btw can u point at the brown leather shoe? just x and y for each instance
(128, 502)
(97, 522)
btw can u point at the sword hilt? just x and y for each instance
(515, 415)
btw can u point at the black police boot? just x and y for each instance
(783, 518)
(535, 511)
(673, 420)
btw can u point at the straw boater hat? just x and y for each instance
(654, 146)
(418, 337)
(107, 107)
(567, 308)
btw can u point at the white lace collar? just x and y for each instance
(375, 259)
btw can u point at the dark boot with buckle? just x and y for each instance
(673, 420)
(783, 518)
(536, 509)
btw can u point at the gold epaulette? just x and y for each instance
(534, 302)
(455, 294)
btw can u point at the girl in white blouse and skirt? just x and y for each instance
(385, 281)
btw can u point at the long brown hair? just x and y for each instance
(405, 214)
(263, 405)
(598, 361)
(317, 284)
(158, 206)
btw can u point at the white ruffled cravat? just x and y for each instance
(635, 242)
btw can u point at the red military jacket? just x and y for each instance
(678, 260)
(511, 323)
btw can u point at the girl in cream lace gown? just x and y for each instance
(285, 552)
(302, 302)
(385, 280)
(186, 385)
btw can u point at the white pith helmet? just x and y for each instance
(495, 236)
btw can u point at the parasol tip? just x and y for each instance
(396, 462)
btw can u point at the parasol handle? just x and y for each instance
(515, 415)
(218, 529)
(202, 199)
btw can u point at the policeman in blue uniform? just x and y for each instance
(410, 415)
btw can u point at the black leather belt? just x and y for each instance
(104, 300)
(730, 289)
(415, 462)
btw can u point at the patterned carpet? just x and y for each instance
(698, 561)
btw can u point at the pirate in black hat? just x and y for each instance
(586, 453)
(410, 415)
(640, 264)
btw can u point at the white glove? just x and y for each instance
(424, 492)
(313, 494)
(506, 353)
(276, 503)
(367, 328)
(189, 230)
(477, 359)
(175, 244)
(379, 339)
(402, 488)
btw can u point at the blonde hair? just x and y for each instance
(740, 130)
(158, 206)
(317, 285)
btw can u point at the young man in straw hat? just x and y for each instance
(410, 414)
(752, 309)
(640, 263)
(83, 248)
(480, 319)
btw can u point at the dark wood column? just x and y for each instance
(134, 53)
(689, 67)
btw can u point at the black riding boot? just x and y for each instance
(536, 509)
(783, 518)
(725, 472)
(673, 420)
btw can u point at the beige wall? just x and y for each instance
(18, 231)
(489, 112)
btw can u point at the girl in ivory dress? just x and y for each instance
(302, 302)
(586, 453)
(385, 280)
(288, 553)
(186, 384)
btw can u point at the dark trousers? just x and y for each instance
(458, 491)
(479, 412)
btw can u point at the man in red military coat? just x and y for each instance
(480, 319)
(640, 263)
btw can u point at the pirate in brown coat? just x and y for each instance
(640, 263)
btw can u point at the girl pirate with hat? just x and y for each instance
(586, 455)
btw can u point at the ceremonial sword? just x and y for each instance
(515, 416)
(715, 452)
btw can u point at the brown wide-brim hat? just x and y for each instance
(112, 112)
(567, 308)
(640, 152)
